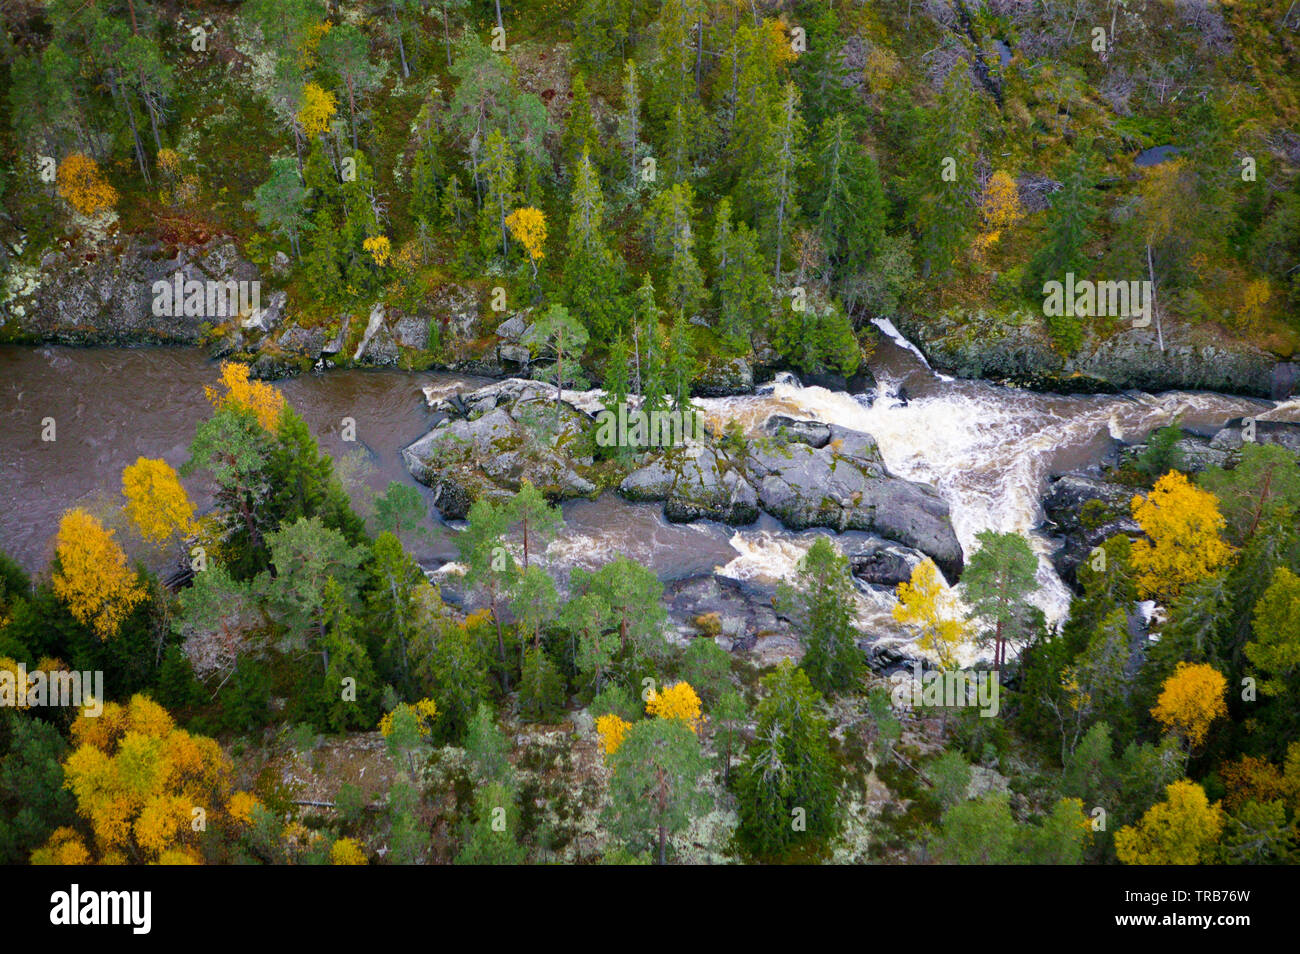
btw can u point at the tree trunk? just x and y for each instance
(401, 49)
(352, 112)
(1155, 310)
(446, 34)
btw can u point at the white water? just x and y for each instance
(988, 450)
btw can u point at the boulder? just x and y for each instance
(268, 317)
(512, 329)
(881, 562)
(813, 433)
(487, 450)
(723, 378)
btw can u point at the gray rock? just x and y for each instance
(514, 354)
(105, 295)
(843, 486)
(411, 331)
(813, 433)
(1286, 380)
(883, 563)
(806, 487)
(513, 328)
(372, 327)
(695, 483)
(268, 317)
(734, 376)
(492, 452)
(336, 346)
(1068, 493)
(306, 341)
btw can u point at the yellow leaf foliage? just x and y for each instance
(1190, 700)
(310, 44)
(1254, 297)
(10, 666)
(1183, 544)
(1177, 831)
(1001, 203)
(156, 502)
(347, 851)
(83, 186)
(528, 226)
(169, 161)
(256, 396)
(612, 730)
(137, 779)
(92, 576)
(64, 847)
(924, 602)
(426, 710)
(379, 248)
(678, 701)
(316, 110)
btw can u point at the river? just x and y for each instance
(989, 450)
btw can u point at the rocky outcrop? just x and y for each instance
(812, 433)
(492, 440)
(724, 377)
(1016, 348)
(842, 485)
(880, 562)
(1085, 511)
(106, 295)
(1223, 449)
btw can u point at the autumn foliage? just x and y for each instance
(83, 186)
(678, 701)
(924, 602)
(236, 390)
(1192, 698)
(316, 110)
(1178, 831)
(1183, 542)
(92, 577)
(156, 502)
(528, 226)
(147, 789)
(612, 731)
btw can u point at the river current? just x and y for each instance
(989, 450)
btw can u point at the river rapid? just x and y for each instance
(989, 450)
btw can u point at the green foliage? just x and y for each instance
(822, 601)
(787, 786)
(541, 692)
(653, 786)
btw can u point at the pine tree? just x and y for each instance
(672, 232)
(498, 170)
(580, 137)
(743, 292)
(787, 786)
(823, 600)
(1001, 575)
(593, 275)
(788, 140)
(850, 201)
(1069, 219)
(629, 122)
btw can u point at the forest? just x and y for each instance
(673, 202)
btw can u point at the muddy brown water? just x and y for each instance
(989, 451)
(113, 405)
